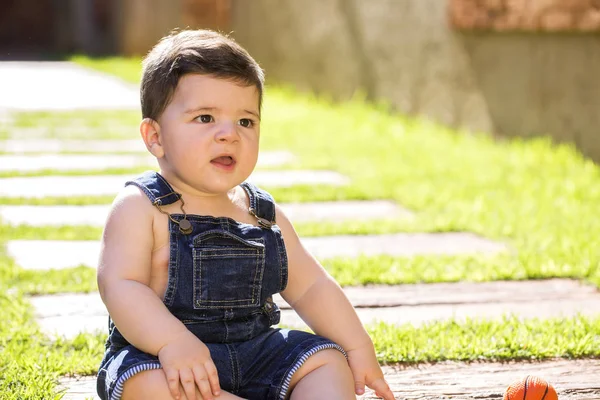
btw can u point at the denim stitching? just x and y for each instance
(217, 234)
(235, 368)
(198, 255)
(283, 261)
(173, 267)
(248, 188)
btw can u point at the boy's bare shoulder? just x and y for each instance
(131, 203)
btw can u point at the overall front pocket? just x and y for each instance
(228, 270)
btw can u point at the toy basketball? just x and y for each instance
(530, 388)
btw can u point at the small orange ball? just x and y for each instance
(530, 388)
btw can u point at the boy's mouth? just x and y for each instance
(223, 161)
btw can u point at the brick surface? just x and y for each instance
(526, 15)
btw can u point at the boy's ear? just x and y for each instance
(150, 130)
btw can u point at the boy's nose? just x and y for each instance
(227, 132)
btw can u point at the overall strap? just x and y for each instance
(262, 204)
(156, 188)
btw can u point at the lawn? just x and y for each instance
(538, 198)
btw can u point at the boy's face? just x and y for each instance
(209, 134)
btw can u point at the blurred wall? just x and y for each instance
(404, 51)
(22, 30)
(139, 24)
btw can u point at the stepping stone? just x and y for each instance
(297, 212)
(55, 254)
(572, 379)
(64, 162)
(110, 184)
(62, 86)
(73, 162)
(400, 244)
(47, 254)
(75, 146)
(82, 388)
(69, 314)
(76, 132)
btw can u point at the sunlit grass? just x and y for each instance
(539, 198)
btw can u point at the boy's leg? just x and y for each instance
(325, 375)
(152, 385)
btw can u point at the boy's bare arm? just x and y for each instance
(124, 275)
(315, 295)
(322, 304)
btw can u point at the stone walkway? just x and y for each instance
(57, 254)
(65, 86)
(452, 380)
(297, 212)
(63, 162)
(31, 86)
(70, 162)
(37, 145)
(68, 314)
(98, 185)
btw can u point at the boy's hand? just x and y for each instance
(186, 361)
(366, 370)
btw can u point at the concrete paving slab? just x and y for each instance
(75, 132)
(572, 379)
(69, 314)
(33, 145)
(47, 254)
(68, 162)
(99, 185)
(53, 254)
(94, 215)
(345, 210)
(18, 163)
(297, 212)
(400, 244)
(62, 86)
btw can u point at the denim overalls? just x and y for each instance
(222, 276)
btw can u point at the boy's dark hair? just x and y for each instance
(194, 52)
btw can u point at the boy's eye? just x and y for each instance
(246, 123)
(205, 119)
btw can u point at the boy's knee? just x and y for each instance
(327, 357)
(146, 383)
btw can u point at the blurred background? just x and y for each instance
(507, 67)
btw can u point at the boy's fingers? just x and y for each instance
(359, 387)
(204, 388)
(187, 381)
(382, 389)
(213, 377)
(172, 376)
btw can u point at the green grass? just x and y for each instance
(536, 196)
(539, 198)
(55, 201)
(80, 125)
(30, 363)
(80, 172)
(488, 340)
(128, 69)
